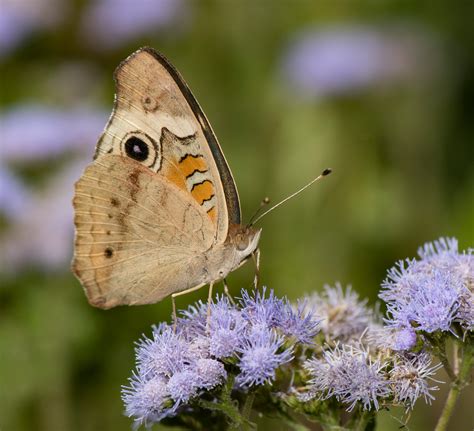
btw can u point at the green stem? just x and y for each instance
(247, 409)
(441, 353)
(456, 387)
(365, 421)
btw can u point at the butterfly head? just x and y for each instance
(244, 240)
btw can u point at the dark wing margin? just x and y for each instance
(230, 190)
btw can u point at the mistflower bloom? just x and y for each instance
(386, 337)
(299, 322)
(226, 328)
(410, 377)
(165, 354)
(432, 293)
(146, 399)
(343, 315)
(260, 310)
(348, 373)
(183, 385)
(260, 357)
(211, 373)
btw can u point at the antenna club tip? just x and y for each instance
(266, 200)
(326, 172)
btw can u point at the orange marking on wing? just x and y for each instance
(190, 164)
(174, 175)
(213, 214)
(203, 191)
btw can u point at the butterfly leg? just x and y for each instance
(173, 296)
(256, 259)
(209, 301)
(226, 291)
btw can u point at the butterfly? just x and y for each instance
(157, 212)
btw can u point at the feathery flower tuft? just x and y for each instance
(410, 378)
(433, 293)
(343, 315)
(348, 373)
(260, 358)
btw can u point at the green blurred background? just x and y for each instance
(380, 91)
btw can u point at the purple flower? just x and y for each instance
(165, 354)
(385, 337)
(345, 60)
(111, 23)
(183, 385)
(146, 399)
(432, 293)
(271, 312)
(260, 310)
(19, 19)
(343, 315)
(410, 378)
(260, 357)
(349, 374)
(211, 373)
(14, 196)
(299, 322)
(226, 329)
(42, 233)
(47, 133)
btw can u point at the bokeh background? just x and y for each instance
(382, 92)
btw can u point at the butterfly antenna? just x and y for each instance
(265, 201)
(323, 174)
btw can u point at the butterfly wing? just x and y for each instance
(154, 104)
(139, 237)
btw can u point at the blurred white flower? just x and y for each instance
(32, 132)
(20, 18)
(110, 23)
(347, 59)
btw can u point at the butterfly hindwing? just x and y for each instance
(136, 233)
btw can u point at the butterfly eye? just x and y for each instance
(136, 149)
(142, 148)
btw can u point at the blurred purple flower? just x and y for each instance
(385, 337)
(20, 18)
(45, 132)
(111, 23)
(345, 59)
(14, 196)
(42, 232)
(349, 374)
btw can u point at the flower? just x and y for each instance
(165, 354)
(211, 373)
(343, 315)
(50, 132)
(409, 378)
(111, 23)
(348, 373)
(259, 357)
(183, 385)
(432, 293)
(226, 328)
(269, 311)
(146, 399)
(349, 59)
